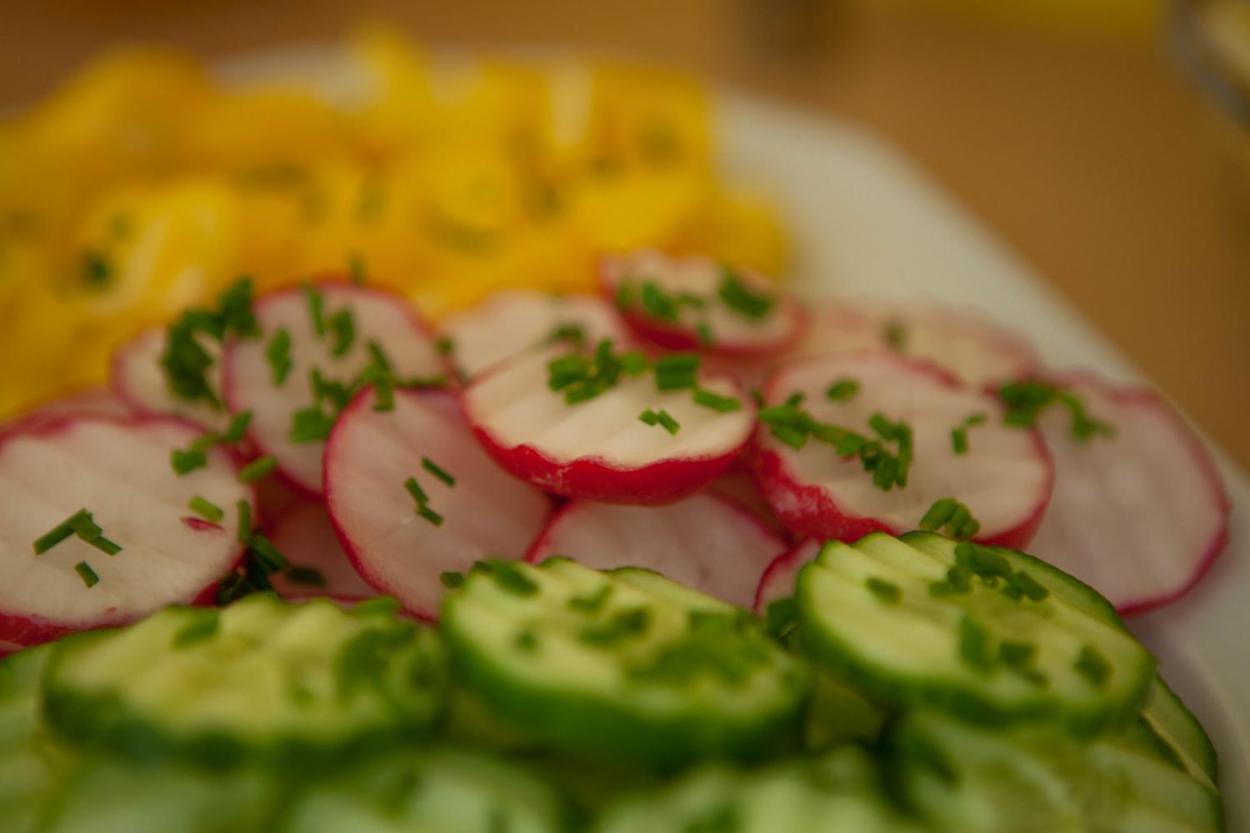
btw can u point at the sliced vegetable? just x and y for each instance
(695, 303)
(781, 576)
(513, 321)
(570, 423)
(991, 634)
(404, 527)
(623, 665)
(879, 460)
(100, 492)
(297, 686)
(704, 541)
(139, 379)
(26, 772)
(341, 337)
(1140, 515)
(319, 566)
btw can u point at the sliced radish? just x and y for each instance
(379, 317)
(305, 535)
(738, 485)
(118, 470)
(137, 377)
(370, 456)
(686, 303)
(704, 541)
(780, 576)
(89, 402)
(1140, 516)
(976, 349)
(600, 449)
(512, 321)
(1004, 477)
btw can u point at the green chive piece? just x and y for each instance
(89, 576)
(662, 418)
(704, 333)
(244, 532)
(414, 489)
(204, 626)
(444, 345)
(451, 579)
(310, 425)
(428, 514)
(593, 602)
(716, 402)
(842, 390)
(952, 515)
(510, 577)
(438, 471)
(740, 298)
(1093, 666)
(58, 533)
(104, 545)
(316, 309)
(1027, 586)
(887, 591)
(659, 304)
(188, 460)
(895, 335)
(258, 468)
(1027, 399)
(677, 371)
(237, 428)
(278, 353)
(573, 334)
(267, 555)
(624, 624)
(974, 644)
(958, 581)
(305, 576)
(342, 326)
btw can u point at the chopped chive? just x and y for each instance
(384, 396)
(573, 334)
(88, 575)
(740, 298)
(428, 514)
(378, 356)
(593, 602)
(659, 304)
(278, 353)
(1093, 666)
(894, 334)
(310, 425)
(342, 326)
(623, 625)
(237, 428)
(1020, 657)
(952, 515)
(1026, 400)
(959, 434)
(982, 561)
(634, 363)
(974, 644)
(704, 333)
(104, 545)
(258, 468)
(436, 470)
(451, 579)
(244, 531)
(843, 390)
(1027, 586)
(677, 371)
(887, 591)
(305, 576)
(444, 345)
(958, 581)
(185, 461)
(316, 309)
(204, 626)
(57, 534)
(510, 577)
(269, 556)
(718, 403)
(662, 418)
(414, 489)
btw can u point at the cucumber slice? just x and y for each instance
(838, 714)
(623, 665)
(26, 776)
(1176, 726)
(838, 793)
(973, 780)
(991, 634)
(298, 685)
(111, 796)
(448, 790)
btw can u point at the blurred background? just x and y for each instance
(1107, 140)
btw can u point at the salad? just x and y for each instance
(684, 554)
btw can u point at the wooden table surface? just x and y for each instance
(1090, 152)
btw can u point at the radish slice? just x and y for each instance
(738, 485)
(137, 377)
(379, 317)
(704, 541)
(305, 535)
(600, 449)
(371, 454)
(119, 470)
(686, 303)
(1140, 516)
(1004, 477)
(89, 402)
(780, 577)
(510, 322)
(975, 348)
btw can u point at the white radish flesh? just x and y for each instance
(487, 513)
(1004, 477)
(1139, 516)
(305, 535)
(704, 541)
(510, 322)
(119, 470)
(600, 449)
(138, 378)
(379, 317)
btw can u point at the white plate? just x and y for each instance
(868, 221)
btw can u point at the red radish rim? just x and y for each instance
(1141, 395)
(271, 529)
(773, 476)
(30, 418)
(336, 281)
(781, 562)
(582, 478)
(669, 337)
(45, 628)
